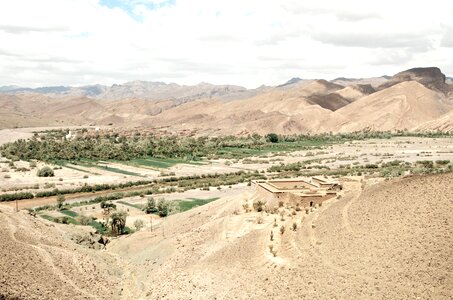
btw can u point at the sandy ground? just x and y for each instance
(38, 261)
(391, 241)
(381, 240)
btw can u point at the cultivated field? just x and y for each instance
(174, 228)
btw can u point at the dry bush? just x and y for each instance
(247, 207)
(260, 220)
(259, 205)
(138, 224)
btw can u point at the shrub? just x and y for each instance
(16, 196)
(151, 206)
(46, 172)
(107, 204)
(272, 137)
(84, 220)
(166, 208)
(259, 205)
(60, 201)
(138, 224)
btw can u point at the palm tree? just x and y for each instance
(118, 222)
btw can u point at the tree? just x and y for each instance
(272, 137)
(151, 206)
(45, 172)
(139, 224)
(60, 201)
(166, 208)
(107, 205)
(118, 222)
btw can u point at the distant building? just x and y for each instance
(304, 192)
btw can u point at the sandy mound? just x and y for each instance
(402, 106)
(391, 242)
(38, 261)
(443, 123)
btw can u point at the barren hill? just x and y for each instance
(405, 101)
(402, 106)
(387, 241)
(430, 77)
(393, 241)
(444, 123)
(39, 261)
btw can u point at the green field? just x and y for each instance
(92, 164)
(190, 203)
(162, 163)
(137, 206)
(239, 152)
(69, 213)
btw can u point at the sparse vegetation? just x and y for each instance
(60, 201)
(138, 224)
(282, 229)
(45, 171)
(118, 222)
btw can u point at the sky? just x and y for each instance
(241, 42)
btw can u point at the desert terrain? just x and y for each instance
(387, 239)
(150, 190)
(415, 99)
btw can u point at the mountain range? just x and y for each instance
(415, 99)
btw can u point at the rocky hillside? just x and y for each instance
(406, 100)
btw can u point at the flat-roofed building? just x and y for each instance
(302, 192)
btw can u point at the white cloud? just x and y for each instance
(248, 42)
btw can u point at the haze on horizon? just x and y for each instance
(248, 43)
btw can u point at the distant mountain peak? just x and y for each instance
(431, 77)
(291, 81)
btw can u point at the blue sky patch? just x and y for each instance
(130, 6)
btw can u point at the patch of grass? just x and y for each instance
(66, 164)
(98, 226)
(190, 203)
(109, 169)
(69, 213)
(47, 217)
(137, 206)
(162, 163)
